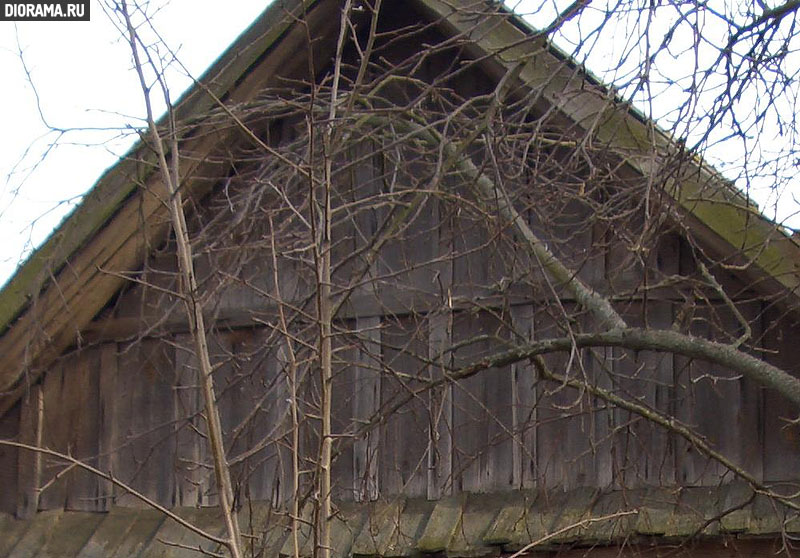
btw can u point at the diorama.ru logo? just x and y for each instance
(44, 11)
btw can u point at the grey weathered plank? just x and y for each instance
(694, 507)
(345, 526)
(254, 399)
(108, 419)
(479, 514)
(305, 534)
(366, 403)
(115, 527)
(172, 540)
(621, 509)
(442, 524)
(70, 534)
(9, 461)
(644, 452)
(566, 428)
(29, 464)
(511, 520)
(403, 542)
(524, 406)
(679, 514)
(57, 428)
(146, 446)
(192, 476)
(538, 520)
(264, 528)
(84, 488)
(404, 439)
(482, 409)
(655, 512)
(377, 532)
(344, 484)
(734, 505)
(39, 531)
(569, 526)
(781, 449)
(439, 323)
(723, 408)
(12, 529)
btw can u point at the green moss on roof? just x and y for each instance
(465, 526)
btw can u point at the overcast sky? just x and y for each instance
(81, 71)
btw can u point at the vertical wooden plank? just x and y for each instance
(599, 363)
(440, 430)
(563, 447)
(108, 420)
(524, 402)
(192, 477)
(145, 390)
(82, 390)
(644, 452)
(254, 400)
(575, 430)
(9, 460)
(439, 323)
(750, 419)
(497, 463)
(343, 482)
(235, 405)
(781, 438)
(471, 256)
(239, 411)
(366, 402)
(30, 463)
(482, 409)
(722, 406)
(403, 444)
(56, 428)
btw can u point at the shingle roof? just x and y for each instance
(464, 526)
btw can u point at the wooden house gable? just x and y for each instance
(456, 427)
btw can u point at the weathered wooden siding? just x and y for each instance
(134, 410)
(128, 400)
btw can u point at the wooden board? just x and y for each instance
(344, 389)
(9, 456)
(29, 466)
(564, 435)
(143, 446)
(482, 409)
(257, 394)
(781, 449)
(70, 426)
(440, 405)
(193, 475)
(644, 452)
(366, 403)
(404, 436)
(524, 406)
(108, 419)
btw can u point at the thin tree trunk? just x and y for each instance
(194, 309)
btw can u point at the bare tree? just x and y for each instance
(471, 266)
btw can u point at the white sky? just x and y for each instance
(82, 72)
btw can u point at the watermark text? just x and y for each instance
(77, 10)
